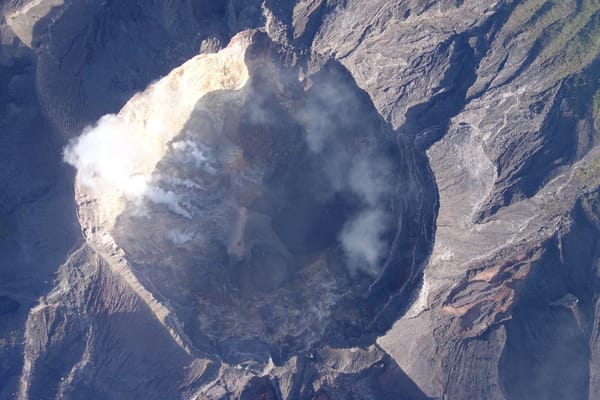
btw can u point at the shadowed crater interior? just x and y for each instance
(292, 217)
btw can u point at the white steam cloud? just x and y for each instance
(362, 236)
(361, 240)
(179, 237)
(117, 157)
(369, 177)
(195, 153)
(368, 174)
(107, 158)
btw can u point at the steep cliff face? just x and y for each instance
(354, 201)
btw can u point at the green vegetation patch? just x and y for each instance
(589, 175)
(592, 202)
(563, 32)
(582, 47)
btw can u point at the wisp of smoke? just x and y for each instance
(106, 158)
(370, 178)
(367, 175)
(179, 237)
(361, 239)
(196, 153)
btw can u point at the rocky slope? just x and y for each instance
(195, 284)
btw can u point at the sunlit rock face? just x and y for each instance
(281, 214)
(116, 157)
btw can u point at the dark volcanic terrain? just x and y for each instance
(299, 199)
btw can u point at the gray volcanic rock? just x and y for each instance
(38, 225)
(94, 55)
(235, 274)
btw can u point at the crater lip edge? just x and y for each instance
(217, 270)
